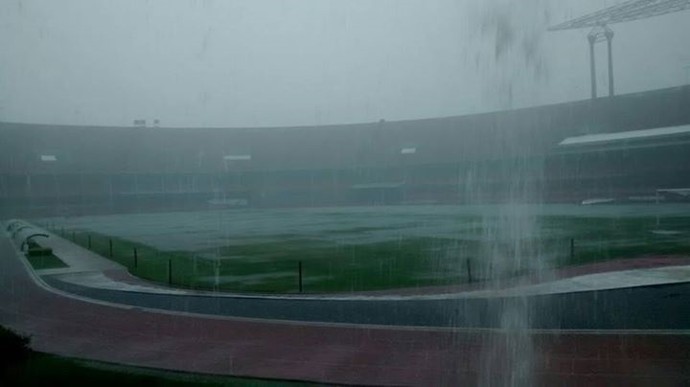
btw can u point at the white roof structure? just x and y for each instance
(595, 139)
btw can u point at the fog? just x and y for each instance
(311, 62)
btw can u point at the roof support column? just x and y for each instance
(593, 64)
(609, 38)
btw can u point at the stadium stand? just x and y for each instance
(50, 169)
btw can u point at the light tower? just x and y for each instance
(601, 20)
(600, 34)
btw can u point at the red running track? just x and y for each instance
(323, 353)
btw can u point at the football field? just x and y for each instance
(373, 248)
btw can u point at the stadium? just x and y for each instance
(545, 245)
(572, 151)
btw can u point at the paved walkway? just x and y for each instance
(77, 258)
(330, 354)
(667, 271)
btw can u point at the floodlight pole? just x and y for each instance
(593, 64)
(609, 38)
(598, 34)
(624, 12)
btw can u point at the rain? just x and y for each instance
(329, 192)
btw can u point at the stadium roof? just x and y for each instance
(593, 139)
(477, 138)
(627, 11)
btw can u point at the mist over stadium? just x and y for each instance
(327, 192)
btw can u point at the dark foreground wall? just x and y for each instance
(52, 170)
(660, 307)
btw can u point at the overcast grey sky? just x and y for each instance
(311, 62)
